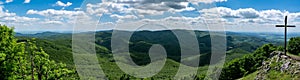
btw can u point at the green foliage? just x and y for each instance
(250, 76)
(43, 67)
(275, 75)
(240, 67)
(294, 45)
(59, 45)
(59, 48)
(24, 60)
(235, 53)
(11, 53)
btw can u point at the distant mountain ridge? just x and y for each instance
(141, 41)
(59, 47)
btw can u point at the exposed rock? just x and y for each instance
(285, 66)
(281, 63)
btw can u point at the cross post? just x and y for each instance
(285, 33)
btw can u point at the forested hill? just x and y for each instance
(267, 62)
(242, 49)
(238, 44)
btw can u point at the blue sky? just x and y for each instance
(65, 15)
(289, 5)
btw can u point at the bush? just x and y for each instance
(294, 45)
(247, 64)
(24, 60)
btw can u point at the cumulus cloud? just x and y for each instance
(97, 9)
(5, 13)
(59, 3)
(8, 16)
(161, 5)
(159, 1)
(146, 7)
(206, 1)
(47, 21)
(187, 23)
(11, 19)
(8, 1)
(229, 13)
(134, 9)
(27, 1)
(19, 19)
(65, 18)
(123, 16)
(53, 13)
(250, 15)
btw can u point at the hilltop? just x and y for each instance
(278, 66)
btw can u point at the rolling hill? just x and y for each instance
(59, 47)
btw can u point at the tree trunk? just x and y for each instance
(40, 73)
(40, 76)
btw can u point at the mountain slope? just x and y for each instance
(279, 67)
(59, 47)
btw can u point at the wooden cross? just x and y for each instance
(285, 33)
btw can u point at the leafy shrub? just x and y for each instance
(294, 45)
(24, 60)
(240, 67)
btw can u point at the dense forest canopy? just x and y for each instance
(24, 60)
(294, 46)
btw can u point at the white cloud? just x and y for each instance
(8, 1)
(27, 1)
(54, 13)
(7, 16)
(248, 13)
(11, 19)
(145, 7)
(1, 2)
(64, 19)
(245, 15)
(76, 9)
(85, 19)
(212, 16)
(5, 13)
(185, 9)
(251, 16)
(206, 1)
(229, 13)
(97, 9)
(167, 23)
(47, 21)
(59, 3)
(123, 17)
(19, 19)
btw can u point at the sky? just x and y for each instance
(95, 15)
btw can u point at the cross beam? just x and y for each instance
(285, 33)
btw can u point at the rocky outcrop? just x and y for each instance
(280, 63)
